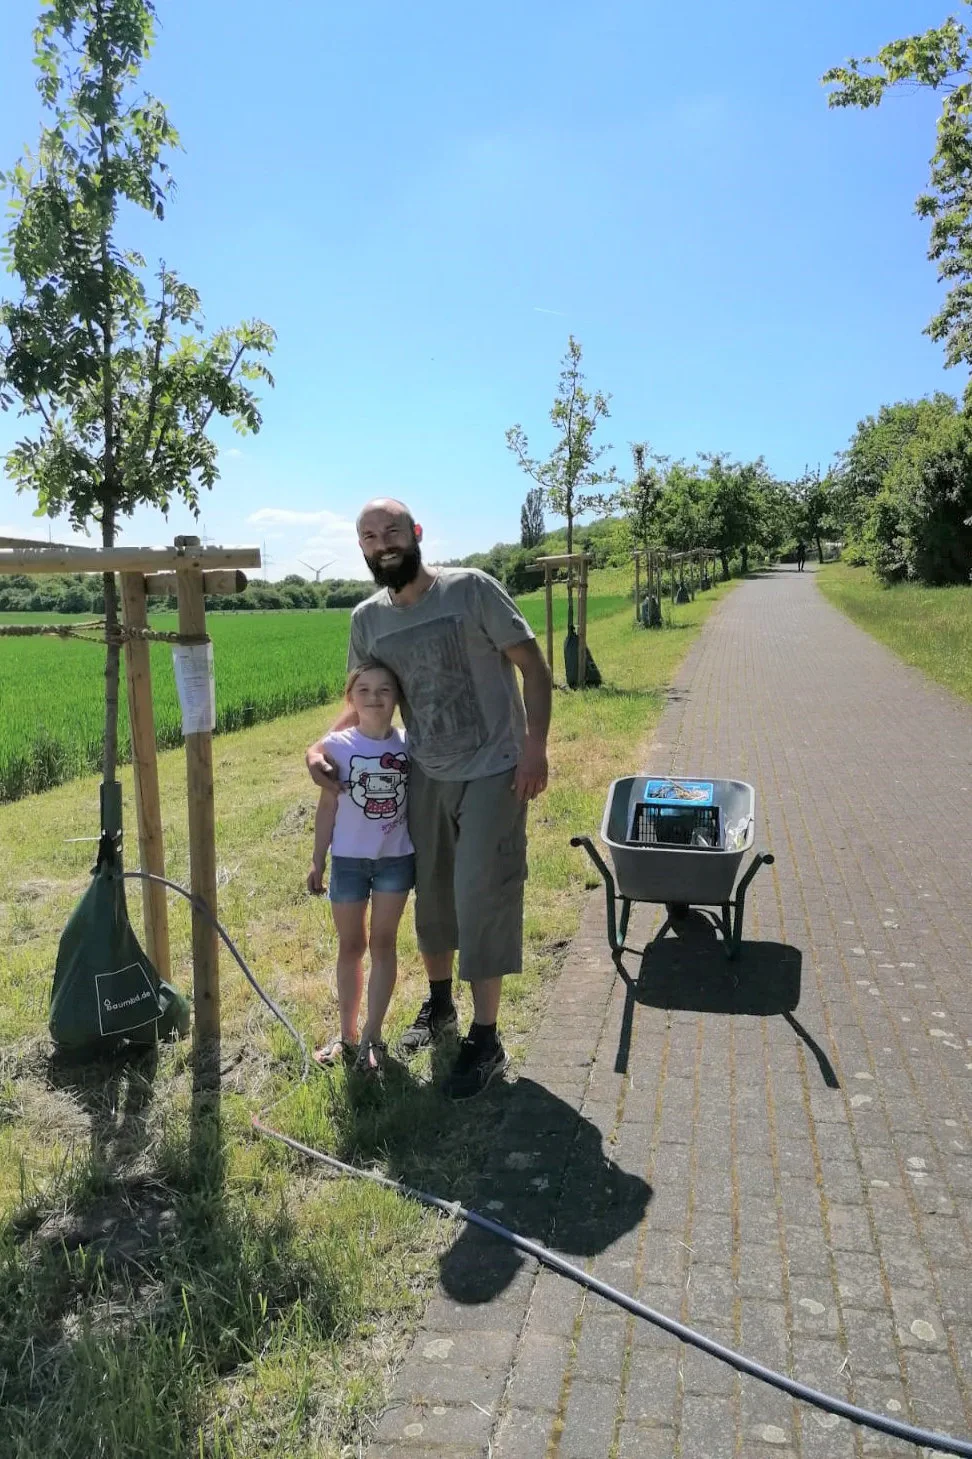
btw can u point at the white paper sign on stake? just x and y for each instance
(196, 686)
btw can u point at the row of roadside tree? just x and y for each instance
(898, 498)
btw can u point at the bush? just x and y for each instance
(920, 525)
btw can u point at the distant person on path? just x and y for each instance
(801, 551)
(478, 755)
(366, 832)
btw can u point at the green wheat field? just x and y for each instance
(267, 664)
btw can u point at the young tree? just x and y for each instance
(812, 499)
(682, 508)
(940, 60)
(532, 526)
(733, 506)
(570, 479)
(643, 494)
(117, 378)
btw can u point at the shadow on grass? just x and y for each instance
(615, 691)
(518, 1154)
(689, 970)
(128, 1294)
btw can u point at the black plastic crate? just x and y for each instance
(656, 825)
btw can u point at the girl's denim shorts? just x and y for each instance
(354, 878)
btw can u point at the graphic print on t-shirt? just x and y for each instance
(378, 784)
(432, 662)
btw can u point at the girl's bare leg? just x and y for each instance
(386, 913)
(349, 919)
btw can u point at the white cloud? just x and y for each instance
(322, 538)
(233, 454)
(284, 517)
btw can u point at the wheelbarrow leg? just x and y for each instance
(760, 859)
(623, 923)
(610, 896)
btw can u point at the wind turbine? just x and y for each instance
(316, 570)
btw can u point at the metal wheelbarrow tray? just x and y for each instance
(679, 876)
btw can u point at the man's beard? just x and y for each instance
(396, 575)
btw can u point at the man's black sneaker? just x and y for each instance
(430, 1024)
(474, 1069)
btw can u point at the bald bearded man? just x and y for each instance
(453, 637)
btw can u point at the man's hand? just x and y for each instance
(315, 878)
(323, 770)
(530, 779)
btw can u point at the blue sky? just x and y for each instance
(425, 201)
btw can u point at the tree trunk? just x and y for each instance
(725, 565)
(744, 553)
(819, 550)
(570, 571)
(112, 656)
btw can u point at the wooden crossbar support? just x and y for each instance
(564, 559)
(148, 806)
(47, 546)
(124, 559)
(218, 582)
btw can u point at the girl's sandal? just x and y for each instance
(335, 1052)
(370, 1063)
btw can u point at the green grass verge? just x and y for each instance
(930, 628)
(169, 1289)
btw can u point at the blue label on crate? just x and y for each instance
(678, 792)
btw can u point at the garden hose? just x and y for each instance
(926, 1438)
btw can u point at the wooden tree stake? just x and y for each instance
(202, 856)
(582, 625)
(148, 809)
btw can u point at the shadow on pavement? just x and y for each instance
(690, 971)
(548, 1159)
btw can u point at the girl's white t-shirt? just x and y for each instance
(372, 811)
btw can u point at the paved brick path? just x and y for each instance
(785, 1162)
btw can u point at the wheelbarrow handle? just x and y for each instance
(610, 894)
(734, 939)
(597, 859)
(761, 858)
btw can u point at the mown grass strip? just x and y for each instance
(930, 628)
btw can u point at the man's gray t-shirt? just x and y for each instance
(462, 705)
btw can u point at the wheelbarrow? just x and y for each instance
(679, 843)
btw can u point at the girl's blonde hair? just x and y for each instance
(363, 668)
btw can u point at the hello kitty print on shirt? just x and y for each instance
(379, 784)
(372, 812)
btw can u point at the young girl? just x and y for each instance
(371, 855)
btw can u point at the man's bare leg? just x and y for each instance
(486, 1000)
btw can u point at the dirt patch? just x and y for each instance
(297, 820)
(38, 889)
(120, 1227)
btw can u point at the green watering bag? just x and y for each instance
(592, 674)
(106, 993)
